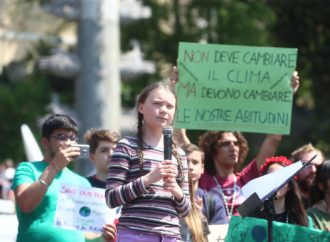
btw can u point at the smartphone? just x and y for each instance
(84, 150)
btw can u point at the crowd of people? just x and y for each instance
(164, 199)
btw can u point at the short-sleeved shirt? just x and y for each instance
(207, 182)
(37, 226)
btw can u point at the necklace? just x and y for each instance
(225, 199)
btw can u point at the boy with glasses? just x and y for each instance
(36, 184)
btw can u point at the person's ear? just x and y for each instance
(45, 143)
(140, 108)
(92, 158)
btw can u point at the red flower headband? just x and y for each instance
(282, 160)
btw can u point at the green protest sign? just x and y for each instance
(241, 88)
(255, 230)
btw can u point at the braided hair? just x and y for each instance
(140, 123)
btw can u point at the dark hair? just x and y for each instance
(94, 136)
(209, 143)
(56, 122)
(140, 100)
(293, 203)
(319, 187)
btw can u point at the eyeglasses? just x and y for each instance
(64, 137)
(227, 143)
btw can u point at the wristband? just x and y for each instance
(42, 182)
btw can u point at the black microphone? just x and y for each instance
(167, 133)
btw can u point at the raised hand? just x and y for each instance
(174, 75)
(295, 81)
(64, 156)
(198, 201)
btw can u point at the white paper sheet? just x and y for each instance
(264, 185)
(84, 209)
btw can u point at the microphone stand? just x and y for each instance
(269, 211)
(253, 203)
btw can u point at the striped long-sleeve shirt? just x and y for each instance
(150, 209)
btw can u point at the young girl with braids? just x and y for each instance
(153, 191)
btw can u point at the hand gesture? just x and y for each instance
(171, 185)
(64, 156)
(174, 75)
(162, 170)
(109, 232)
(295, 81)
(198, 202)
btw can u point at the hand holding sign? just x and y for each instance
(226, 87)
(295, 81)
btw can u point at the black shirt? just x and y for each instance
(96, 182)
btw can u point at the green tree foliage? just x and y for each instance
(301, 24)
(212, 21)
(305, 25)
(22, 101)
(25, 91)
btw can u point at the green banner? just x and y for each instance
(255, 230)
(240, 88)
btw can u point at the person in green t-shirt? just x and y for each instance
(36, 184)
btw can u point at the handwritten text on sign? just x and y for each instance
(84, 209)
(241, 88)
